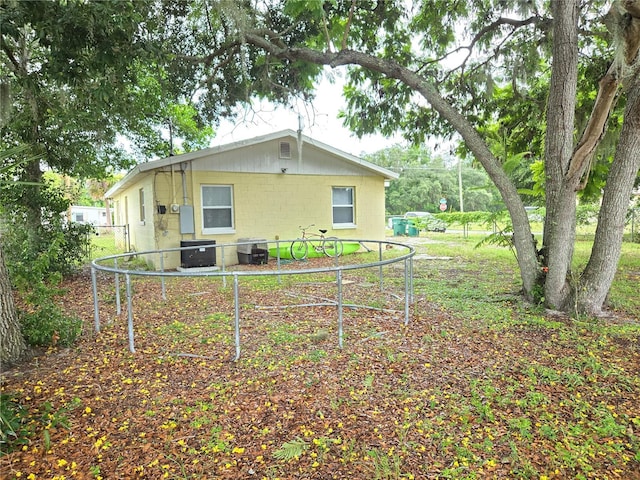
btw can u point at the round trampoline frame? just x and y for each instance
(406, 257)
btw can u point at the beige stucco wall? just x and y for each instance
(265, 205)
(127, 211)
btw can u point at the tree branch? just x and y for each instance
(12, 59)
(413, 80)
(348, 25)
(515, 24)
(623, 22)
(595, 130)
(326, 30)
(219, 66)
(208, 59)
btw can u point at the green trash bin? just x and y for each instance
(399, 226)
(413, 230)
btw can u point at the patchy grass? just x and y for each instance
(624, 293)
(478, 385)
(104, 244)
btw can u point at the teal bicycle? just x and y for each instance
(329, 246)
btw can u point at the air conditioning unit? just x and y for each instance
(201, 254)
(175, 208)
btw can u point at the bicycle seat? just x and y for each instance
(322, 231)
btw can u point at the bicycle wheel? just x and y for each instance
(299, 249)
(332, 247)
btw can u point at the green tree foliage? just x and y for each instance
(425, 179)
(59, 245)
(78, 77)
(79, 73)
(38, 261)
(68, 70)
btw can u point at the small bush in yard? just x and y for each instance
(13, 418)
(48, 325)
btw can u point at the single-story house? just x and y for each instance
(264, 188)
(96, 216)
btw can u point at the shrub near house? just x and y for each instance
(426, 221)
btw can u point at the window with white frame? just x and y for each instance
(342, 200)
(143, 214)
(217, 208)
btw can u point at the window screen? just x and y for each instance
(217, 207)
(143, 214)
(343, 205)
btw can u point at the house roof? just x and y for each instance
(141, 168)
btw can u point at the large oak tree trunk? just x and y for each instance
(600, 271)
(563, 289)
(559, 229)
(12, 345)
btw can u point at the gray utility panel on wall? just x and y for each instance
(187, 223)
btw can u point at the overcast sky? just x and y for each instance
(320, 123)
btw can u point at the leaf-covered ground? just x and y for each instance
(502, 393)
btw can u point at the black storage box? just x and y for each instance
(254, 253)
(198, 256)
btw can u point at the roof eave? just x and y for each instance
(186, 157)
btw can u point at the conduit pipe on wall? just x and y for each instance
(173, 187)
(300, 124)
(183, 167)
